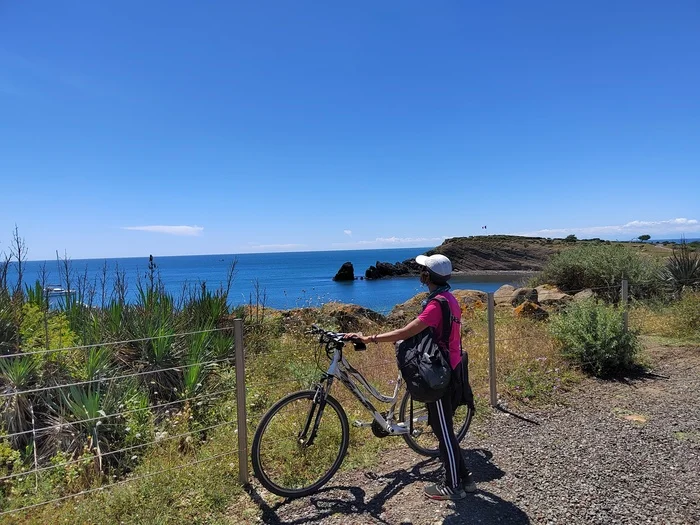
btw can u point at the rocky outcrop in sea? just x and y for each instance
(385, 269)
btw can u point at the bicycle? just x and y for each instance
(302, 439)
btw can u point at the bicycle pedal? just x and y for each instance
(399, 428)
(358, 423)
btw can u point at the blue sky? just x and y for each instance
(167, 128)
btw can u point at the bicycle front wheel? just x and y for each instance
(290, 459)
(423, 440)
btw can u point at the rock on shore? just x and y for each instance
(345, 273)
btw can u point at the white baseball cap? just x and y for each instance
(438, 264)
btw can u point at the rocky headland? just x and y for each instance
(480, 254)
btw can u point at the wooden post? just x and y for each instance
(46, 319)
(625, 311)
(240, 402)
(492, 349)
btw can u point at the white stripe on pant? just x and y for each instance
(450, 452)
(440, 418)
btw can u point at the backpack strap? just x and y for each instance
(447, 319)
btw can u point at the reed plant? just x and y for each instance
(86, 409)
(81, 435)
(681, 272)
(18, 373)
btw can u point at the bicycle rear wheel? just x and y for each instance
(423, 440)
(287, 460)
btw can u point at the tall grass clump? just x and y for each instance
(676, 321)
(681, 272)
(592, 335)
(602, 267)
(685, 316)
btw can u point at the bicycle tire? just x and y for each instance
(425, 442)
(291, 475)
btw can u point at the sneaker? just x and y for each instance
(468, 485)
(443, 492)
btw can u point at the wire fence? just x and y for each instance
(116, 484)
(89, 422)
(116, 343)
(92, 418)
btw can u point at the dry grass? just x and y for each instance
(529, 368)
(674, 323)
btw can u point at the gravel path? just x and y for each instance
(609, 452)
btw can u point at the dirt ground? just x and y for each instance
(607, 452)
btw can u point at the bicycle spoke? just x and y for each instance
(288, 460)
(423, 440)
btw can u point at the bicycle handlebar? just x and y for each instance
(336, 338)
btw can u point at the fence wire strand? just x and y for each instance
(113, 452)
(116, 414)
(111, 485)
(114, 378)
(114, 343)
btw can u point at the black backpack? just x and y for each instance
(425, 364)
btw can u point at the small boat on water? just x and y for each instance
(57, 290)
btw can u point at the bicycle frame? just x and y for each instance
(342, 370)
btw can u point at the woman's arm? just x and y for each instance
(414, 327)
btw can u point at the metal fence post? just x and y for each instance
(625, 311)
(240, 402)
(492, 349)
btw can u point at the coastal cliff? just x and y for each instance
(502, 253)
(498, 253)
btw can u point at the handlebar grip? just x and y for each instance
(359, 345)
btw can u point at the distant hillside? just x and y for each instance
(504, 253)
(498, 252)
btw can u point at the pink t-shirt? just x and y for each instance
(432, 316)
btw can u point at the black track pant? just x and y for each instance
(440, 418)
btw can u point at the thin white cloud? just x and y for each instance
(668, 227)
(187, 231)
(289, 246)
(384, 242)
(402, 240)
(348, 233)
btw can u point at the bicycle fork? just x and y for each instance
(313, 420)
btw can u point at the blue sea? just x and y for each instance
(677, 241)
(287, 280)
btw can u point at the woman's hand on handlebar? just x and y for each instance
(357, 337)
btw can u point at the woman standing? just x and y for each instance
(435, 272)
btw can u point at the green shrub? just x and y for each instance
(602, 267)
(36, 324)
(10, 463)
(8, 327)
(592, 335)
